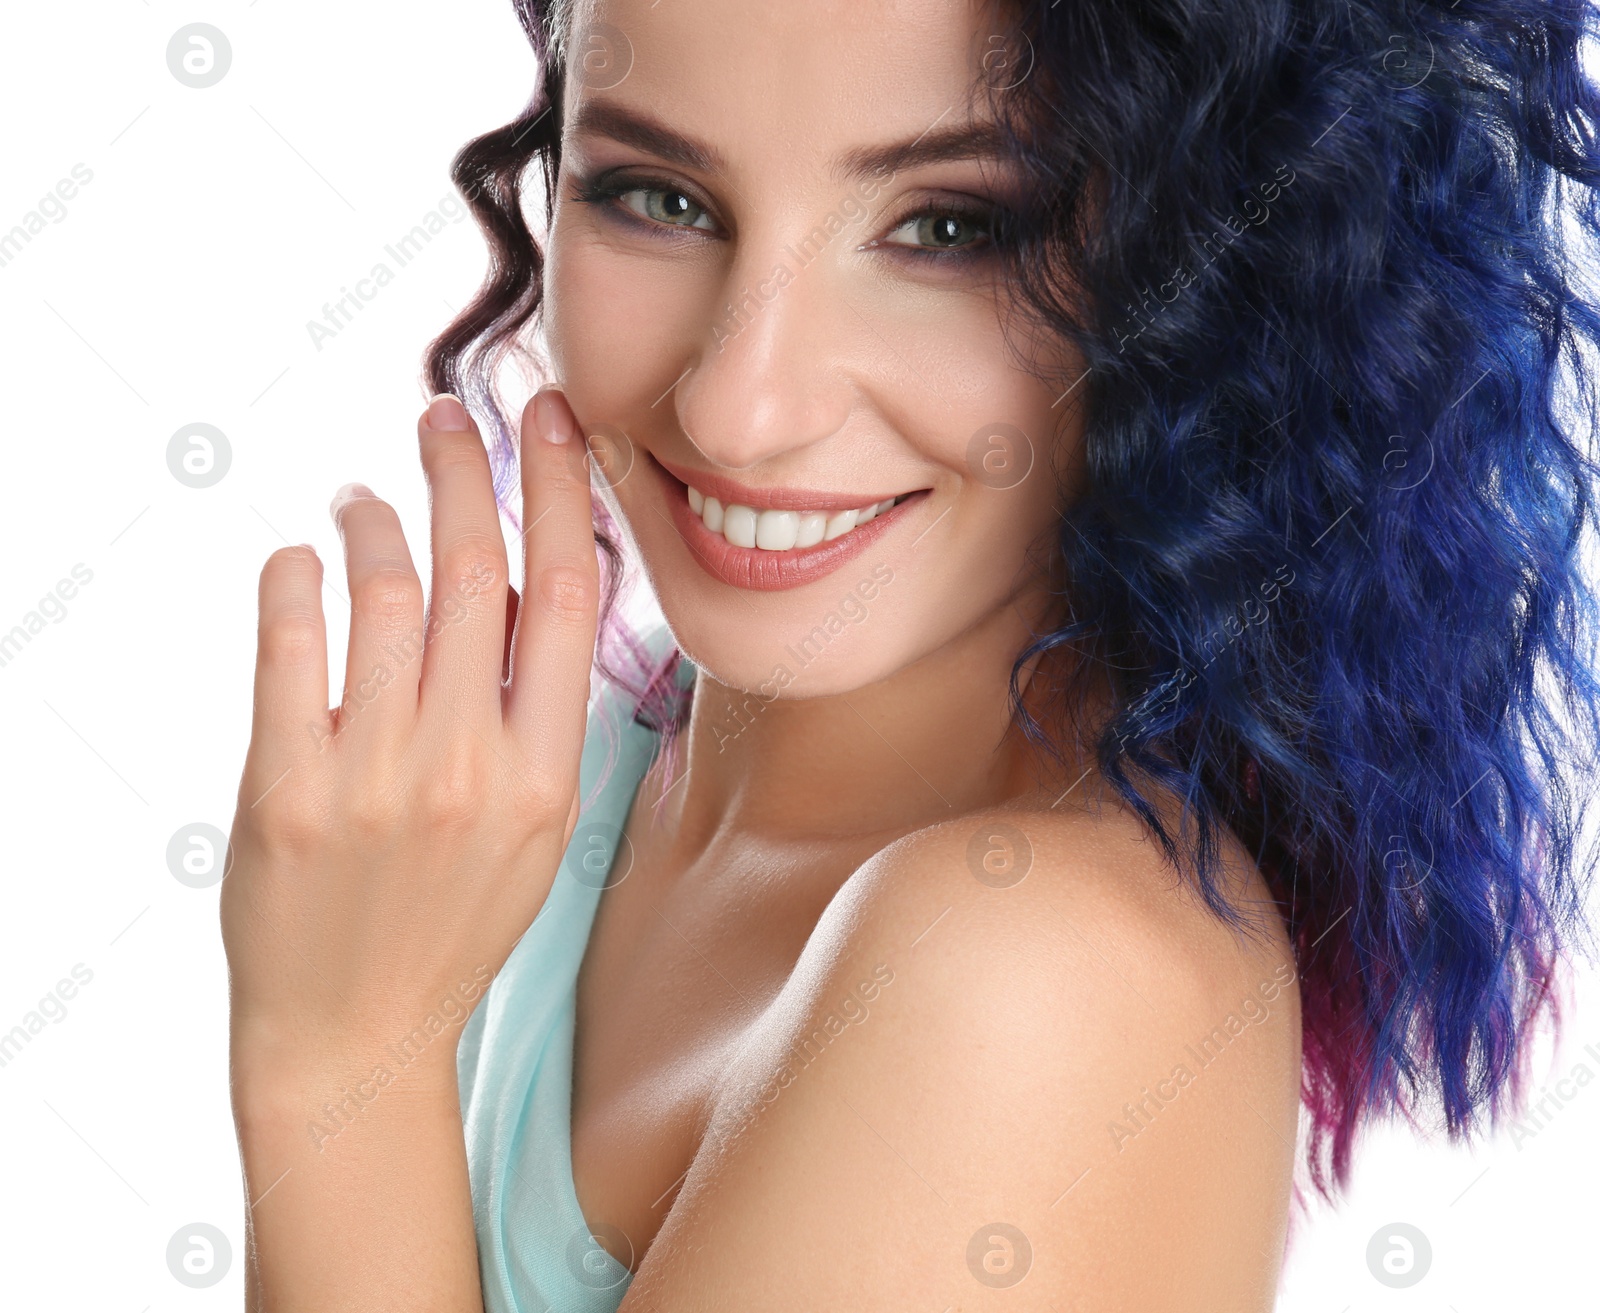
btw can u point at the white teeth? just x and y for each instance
(739, 525)
(842, 522)
(779, 531)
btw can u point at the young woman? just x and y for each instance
(1105, 472)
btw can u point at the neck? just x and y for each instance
(935, 740)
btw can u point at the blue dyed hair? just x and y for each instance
(1322, 261)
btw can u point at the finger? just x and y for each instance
(467, 607)
(291, 687)
(553, 649)
(383, 661)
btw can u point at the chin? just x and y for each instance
(835, 635)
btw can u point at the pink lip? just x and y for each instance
(730, 493)
(763, 571)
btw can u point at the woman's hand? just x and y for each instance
(388, 854)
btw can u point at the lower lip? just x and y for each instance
(770, 572)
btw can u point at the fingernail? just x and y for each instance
(547, 418)
(447, 415)
(349, 492)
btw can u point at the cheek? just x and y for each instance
(957, 374)
(1000, 432)
(619, 327)
(1017, 455)
(1001, 537)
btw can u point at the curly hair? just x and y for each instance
(1322, 261)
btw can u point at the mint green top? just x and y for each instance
(514, 1062)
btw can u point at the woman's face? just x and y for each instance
(780, 294)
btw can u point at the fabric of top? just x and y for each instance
(514, 1062)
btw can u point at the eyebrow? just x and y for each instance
(961, 141)
(980, 139)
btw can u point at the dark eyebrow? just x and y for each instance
(961, 141)
(980, 139)
(609, 119)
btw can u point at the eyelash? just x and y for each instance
(608, 193)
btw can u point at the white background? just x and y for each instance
(177, 289)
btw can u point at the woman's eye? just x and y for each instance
(939, 231)
(664, 205)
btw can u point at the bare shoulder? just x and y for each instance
(1016, 1058)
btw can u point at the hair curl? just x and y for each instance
(1319, 259)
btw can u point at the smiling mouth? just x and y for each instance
(771, 548)
(770, 530)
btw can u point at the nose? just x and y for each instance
(773, 373)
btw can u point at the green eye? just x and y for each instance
(664, 205)
(940, 231)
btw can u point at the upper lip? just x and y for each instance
(730, 493)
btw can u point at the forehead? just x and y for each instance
(792, 82)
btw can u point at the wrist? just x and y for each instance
(348, 1180)
(333, 1083)
(285, 1046)
(308, 1115)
